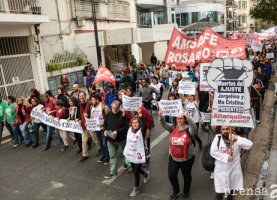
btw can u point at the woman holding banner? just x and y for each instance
(181, 151)
(171, 97)
(135, 150)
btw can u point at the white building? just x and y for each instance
(246, 22)
(231, 17)
(20, 59)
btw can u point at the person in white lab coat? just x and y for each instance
(227, 172)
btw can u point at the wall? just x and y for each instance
(160, 50)
(147, 50)
(9, 30)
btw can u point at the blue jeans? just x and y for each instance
(48, 137)
(103, 143)
(17, 132)
(153, 66)
(26, 132)
(246, 130)
(36, 128)
(165, 81)
(150, 110)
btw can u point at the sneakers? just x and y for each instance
(135, 192)
(110, 176)
(84, 158)
(130, 170)
(146, 177)
(74, 143)
(101, 159)
(106, 161)
(185, 196)
(174, 195)
(99, 152)
(261, 103)
(212, 176)
(64, 148)
(45, 148)
(16, 145)
(258, 121)
(27, 145)
(79, 151)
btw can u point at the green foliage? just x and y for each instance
(265, 10)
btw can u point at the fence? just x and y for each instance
(22, 6)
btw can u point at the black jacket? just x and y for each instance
(63, 98)
(78, 94)
(129, 80)
(264, 79)
(254, 93)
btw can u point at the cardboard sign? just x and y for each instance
(257, 46)
(92, 124)
(270, 55)
(171, 108)
(230, 96)
(186, 87)
(206, 117)
(204, 86)
(62, 124)
(183, 50)
(131, 103)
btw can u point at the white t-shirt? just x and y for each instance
(97, 113)
(157, 87)
(192, 109)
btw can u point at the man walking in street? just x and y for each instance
(164, 74)
(83, 111)
(76, 91)
(153, 60)
(115, 129)
(111, 96)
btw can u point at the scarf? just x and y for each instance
(82, 113)
(227, 141)
(20, 113)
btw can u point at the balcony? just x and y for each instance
(148, 4)
(243, 25)
(22, 11)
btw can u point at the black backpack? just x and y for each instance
(207, 160)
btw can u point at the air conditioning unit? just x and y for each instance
(81, 22)
(251, 25)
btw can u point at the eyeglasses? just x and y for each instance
(143, 81)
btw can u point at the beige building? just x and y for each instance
(246, 23)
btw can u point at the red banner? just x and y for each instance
(183, 50)
(103, 74)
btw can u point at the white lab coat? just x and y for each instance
(228, 175)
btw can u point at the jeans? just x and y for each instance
(153, 66)
(10, 129)
(36, 128)
(246, 130)
(165, 81)
(113, 156)
(48, 137)
(137, 171)
(173, 169)
(256, 104)
(17, 132)
(26, 132)
(150, 110)
(103, 143)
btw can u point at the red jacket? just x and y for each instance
(50, 106)
(26, 113)
(145, 114)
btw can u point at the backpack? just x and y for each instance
(208, 162)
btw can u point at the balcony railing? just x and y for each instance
(243, 25)
(22, 6)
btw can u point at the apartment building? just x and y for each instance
(231, 17)
(246, 23)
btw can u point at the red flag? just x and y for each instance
(103, 74)
(183, 50)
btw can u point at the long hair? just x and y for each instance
(36, 100)
(136, 118)
(35, 91)
(74, 100)
(263, 74)
(12, 98)
(24, 101)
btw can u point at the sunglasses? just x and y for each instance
(171, 96)
(143, 81)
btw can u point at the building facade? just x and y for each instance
(246, 22)
(231, 17)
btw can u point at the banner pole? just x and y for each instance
(231, 141)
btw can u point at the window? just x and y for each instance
(178, 20)
(244, 4)
(172, 18)
(239, 4)
(243, 19)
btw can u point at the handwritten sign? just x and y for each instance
(268, 46)
(256, 46)
(270, 55)
(230, 96)
(92, 124)
(131, 103)
(171, 108)
(206, 117)
(186, 87)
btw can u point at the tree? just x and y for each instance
(265, 10)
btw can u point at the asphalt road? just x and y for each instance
(28, 173)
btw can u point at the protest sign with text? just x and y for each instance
(186, 87)
(270, 55)
(171, 108)
(268, 46)
(257, 46)
(206, 117)
(61, 124)
(92, 124)
(204, 86)
(131, 103)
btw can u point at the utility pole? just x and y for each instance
(98, 51)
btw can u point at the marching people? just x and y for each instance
(92, 91)
(227, 172)
(36, 104)
(89, 79)
(141, 76)
(181, 152)
(263, 77)
(127, 80)
(99, 110)
(174, 88)
(23, 113)
(115, 128)
(120, 96)
(164, 74)
(34, 93)
(111, 96)
(83, 111)
(134, 150)
(118, 76)
(268, 68)
(63, 113)
(50, 95)
(62, 97)
(101, 91)
(76, 91)
(256, 87)
(192, 106)
(158, 86)
(49, 107)
(12, 119)
(133, 73)
(170, 119)
(65, 84)
(153, 61)
(3, 105)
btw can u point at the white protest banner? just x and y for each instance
(62, 124)
(270, 55)
(92, 124)
(268, 46)
(204, 86)
(131, 103)
(185, 75)
(171, 108)
(230, 96)
(206, 117)
(251, 58)
(186, 87)
(172, 75)
(256, 46)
